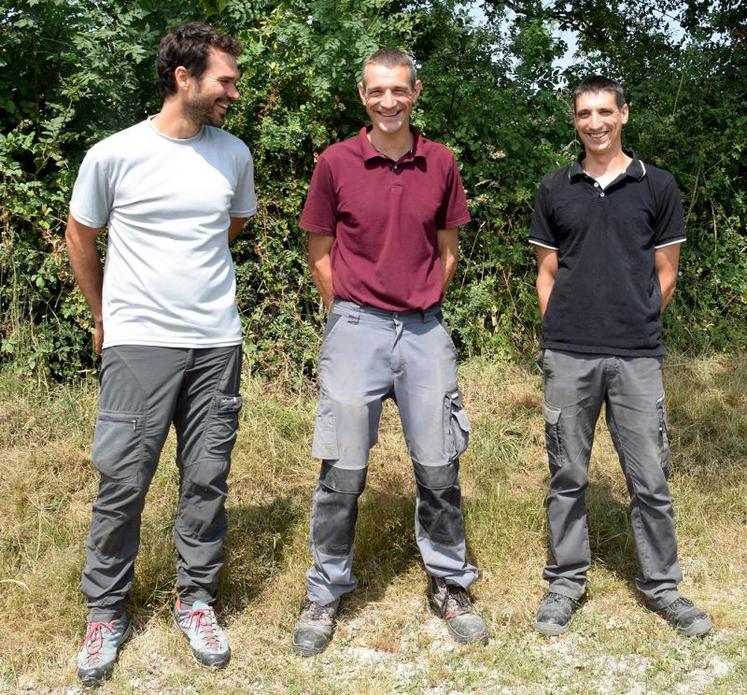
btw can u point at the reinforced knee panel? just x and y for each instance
(336, 508)
(439, 506)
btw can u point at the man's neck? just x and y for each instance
(174, 123)
(394, 145)
(601, 164)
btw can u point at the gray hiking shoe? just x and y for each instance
(554, 614)
(96, 657)
(208, 641)
(314, 628)
(451, 602)
(686, 617)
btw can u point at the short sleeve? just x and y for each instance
(93, 194)
(541, 231)
(320, 210)
(244, 203)
(669, 224)
(453, 211)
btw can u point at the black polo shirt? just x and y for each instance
(606, 295)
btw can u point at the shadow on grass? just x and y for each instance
(384, 545)
(610, 534)
(259, 537)
(708, 419)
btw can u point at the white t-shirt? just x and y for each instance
(169, 278)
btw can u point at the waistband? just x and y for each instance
(351, 309)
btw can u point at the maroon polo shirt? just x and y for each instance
(385, 217)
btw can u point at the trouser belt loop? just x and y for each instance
(355, 317)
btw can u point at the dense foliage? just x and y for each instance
(73, 71)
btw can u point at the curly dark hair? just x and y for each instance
(189, 45)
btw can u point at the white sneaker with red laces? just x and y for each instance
(208, 641)
(96, 657)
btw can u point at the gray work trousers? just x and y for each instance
(369, 355)
(576, 385)
(143, 390)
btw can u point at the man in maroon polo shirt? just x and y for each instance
(383, 212)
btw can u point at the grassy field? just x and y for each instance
(386, 640)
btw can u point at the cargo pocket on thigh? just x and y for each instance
(117, 444)
(324, 445)
(663, 437)
(222, 426)
(456, 425)
(553, 439)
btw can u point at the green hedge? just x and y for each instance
(72, 72)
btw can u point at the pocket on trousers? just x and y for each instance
(222, 426)
(117, 444)
(457, 427)
(324, 445)
(553, 439)
(663, 436)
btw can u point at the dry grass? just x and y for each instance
(386, 640)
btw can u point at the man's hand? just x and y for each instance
(448, 247)
(319, 248)
(666, 263)
(86, 264)
(547, 269)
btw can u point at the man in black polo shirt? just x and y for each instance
(607, 231)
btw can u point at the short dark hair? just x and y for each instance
(390, 58)
(189, 45)
(599, 83)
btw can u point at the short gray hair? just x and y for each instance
(390, 58)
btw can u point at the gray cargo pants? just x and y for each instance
(576, 384)
(368, 355)
(143, 390)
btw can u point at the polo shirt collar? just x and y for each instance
(368, 151)
(636, 169)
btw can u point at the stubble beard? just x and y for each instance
(200, 111)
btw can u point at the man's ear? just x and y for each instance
(182, 77)
(625, 112)
(417, 90)
(362, 92)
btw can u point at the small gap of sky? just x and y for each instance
(568, 37)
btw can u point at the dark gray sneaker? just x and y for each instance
(554, 614)
(689, 620)
(98, 654)
(314, 628)
(451, 602)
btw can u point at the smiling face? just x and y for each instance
(388, 96)
(599, 122)
(209, 96)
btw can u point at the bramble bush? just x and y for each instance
(74, 71)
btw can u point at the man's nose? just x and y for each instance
(388, 100)
(595, 120)
(232, 92)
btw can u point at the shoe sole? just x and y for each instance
(91, 682)
(700, 628)
(307, 651)
(551, 629)
(195, 656)
(482, 638)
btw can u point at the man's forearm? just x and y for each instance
(667, 285)
(321, 273)
(448, 264)
(86, 264)
(544, 289)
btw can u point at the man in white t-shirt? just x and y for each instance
(171, 191)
